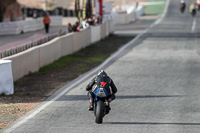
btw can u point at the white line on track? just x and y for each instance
(83, 78)
(69, 88)
(194, 24)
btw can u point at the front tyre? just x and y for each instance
(99, 112)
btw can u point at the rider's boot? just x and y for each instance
(90, 108)
(107, 107)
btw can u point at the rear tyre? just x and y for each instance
(99, 112)
(94, 108)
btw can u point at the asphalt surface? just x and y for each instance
(158, 87)
(135, 27)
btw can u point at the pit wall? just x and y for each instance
(17, 27)
(34, 58)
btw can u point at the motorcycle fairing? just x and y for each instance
(101, 92)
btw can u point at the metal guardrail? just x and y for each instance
(26, 46)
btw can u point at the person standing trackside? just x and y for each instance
(46, 21)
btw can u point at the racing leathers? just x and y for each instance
(101, 80)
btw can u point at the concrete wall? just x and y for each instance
(50, 52)
(125, 18)
(34, 58)
(66, 44)
(25, 62)
(6, 77)
(86, 37)
(103, 30)
(95, 33)
(16, 27)
(139, 11)
(110, 26)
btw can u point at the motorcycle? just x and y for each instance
(101, 105)
(182, 7)
(198, 5)
(193, 12)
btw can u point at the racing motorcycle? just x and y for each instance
(101, 105)
(182, 7)
(193, 12)
(198, 5)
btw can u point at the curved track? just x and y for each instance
(158, 77)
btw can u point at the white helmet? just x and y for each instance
(102, 72)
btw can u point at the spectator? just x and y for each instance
(90, 21)
(94, 19)
(46, 21)
(70, 28)
(35, 15)
(99, 20)
(76, 27)
(84, 24)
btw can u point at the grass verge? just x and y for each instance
(155, 9)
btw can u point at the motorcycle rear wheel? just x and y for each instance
(99, 112)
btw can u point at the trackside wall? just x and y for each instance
(34, 58)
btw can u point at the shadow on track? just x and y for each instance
(84, 97)
(152, 123)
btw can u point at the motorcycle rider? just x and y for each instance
(193, 9)
(198, 4)
(101, 80)
(182, 6)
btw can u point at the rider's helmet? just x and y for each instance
(182, 1)
(102, 73)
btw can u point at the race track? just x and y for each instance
(158, 80)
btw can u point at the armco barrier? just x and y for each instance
(36, 57)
